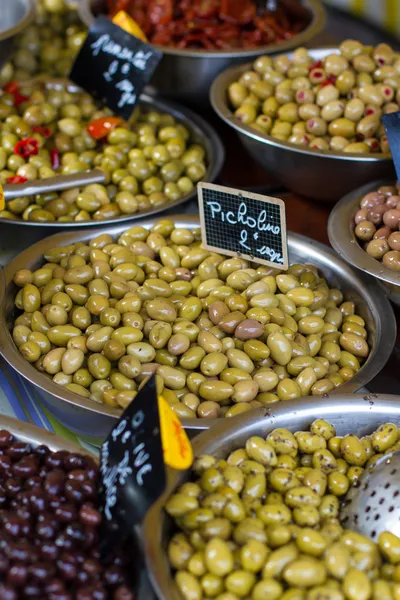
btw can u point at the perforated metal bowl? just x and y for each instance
(349, 414)
(94, 420)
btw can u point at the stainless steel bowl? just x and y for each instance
(90, 419)
(349, 414)
(323, 176)
(202, 133)
(342, 237)
(37, 436)
(187, 74)
(15, 15)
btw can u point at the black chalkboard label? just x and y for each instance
(391, 123)
(243, 224)
(114, 66)
(131, 467)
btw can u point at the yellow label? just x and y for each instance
(123, 20)
(178, 452)
(2, 201)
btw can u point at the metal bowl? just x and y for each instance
(90, 419)
(187, 74)
(323, 176)
(349, 414)
(202, 133)
(37, 436)
(15, 15)
(342, 237)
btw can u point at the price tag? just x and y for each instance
(2, 200)
(391, 123)
(243, 224)
(114, 66)
(123, 20)
(132, 463)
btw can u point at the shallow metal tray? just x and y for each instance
(201, 133)
(93, 421)
(349, 414)
(322, 176)
(342, 237)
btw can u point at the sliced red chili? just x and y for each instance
(12, 87)
(27, 147)
(160, 11)
(16, 179)
(99, 128)
(238, 11)
(44, 131)
(55, 159)
(19, 98)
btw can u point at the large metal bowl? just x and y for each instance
(15, 15)
(187, 75)
(202, 133)
(93, 420)
(349, 414)
(342, 237)
(323, 176)
(37, 436)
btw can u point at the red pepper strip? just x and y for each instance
(55, 159)
(330, 81)
(19, 98)
(16, 179)
(238, 11)
(316, 65)
(44, 131)
(27, 147)
(160, 11)
(99, 128)
(12, 87)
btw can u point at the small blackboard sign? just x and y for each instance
(131, 467)
(391, 123)
(243, 224)
(114, 66)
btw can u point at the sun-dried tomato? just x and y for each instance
(27, 147)
(238, 11)
(16, 179)
(207, 8)
(160, 11)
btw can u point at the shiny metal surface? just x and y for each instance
(15, 15)
(91, 419)
(349, 414)
(53, 184)
(374, 505)
(202, 133)
(342, 237)
(323, 176)
(187, 74)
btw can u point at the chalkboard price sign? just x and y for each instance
(243, 224)
(114, 66)
(131, 467)
(391, 123)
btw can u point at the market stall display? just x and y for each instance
(303, 136)
(193, 59)
(345, 230)
(308, 454)
(150, 163)
(50, 521)
(164, 323)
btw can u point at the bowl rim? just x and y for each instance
(386, 327)
(198, 125)
(219, 103)
(316, 25)
(222, 436)
(343, 240)
(29, 12)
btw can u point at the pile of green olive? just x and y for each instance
(333, 104)
(48, 46)
(263, 524)
(222, 335)
(147, 163)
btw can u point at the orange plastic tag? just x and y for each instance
(2, 201)
(178, 452)
(123, 20)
